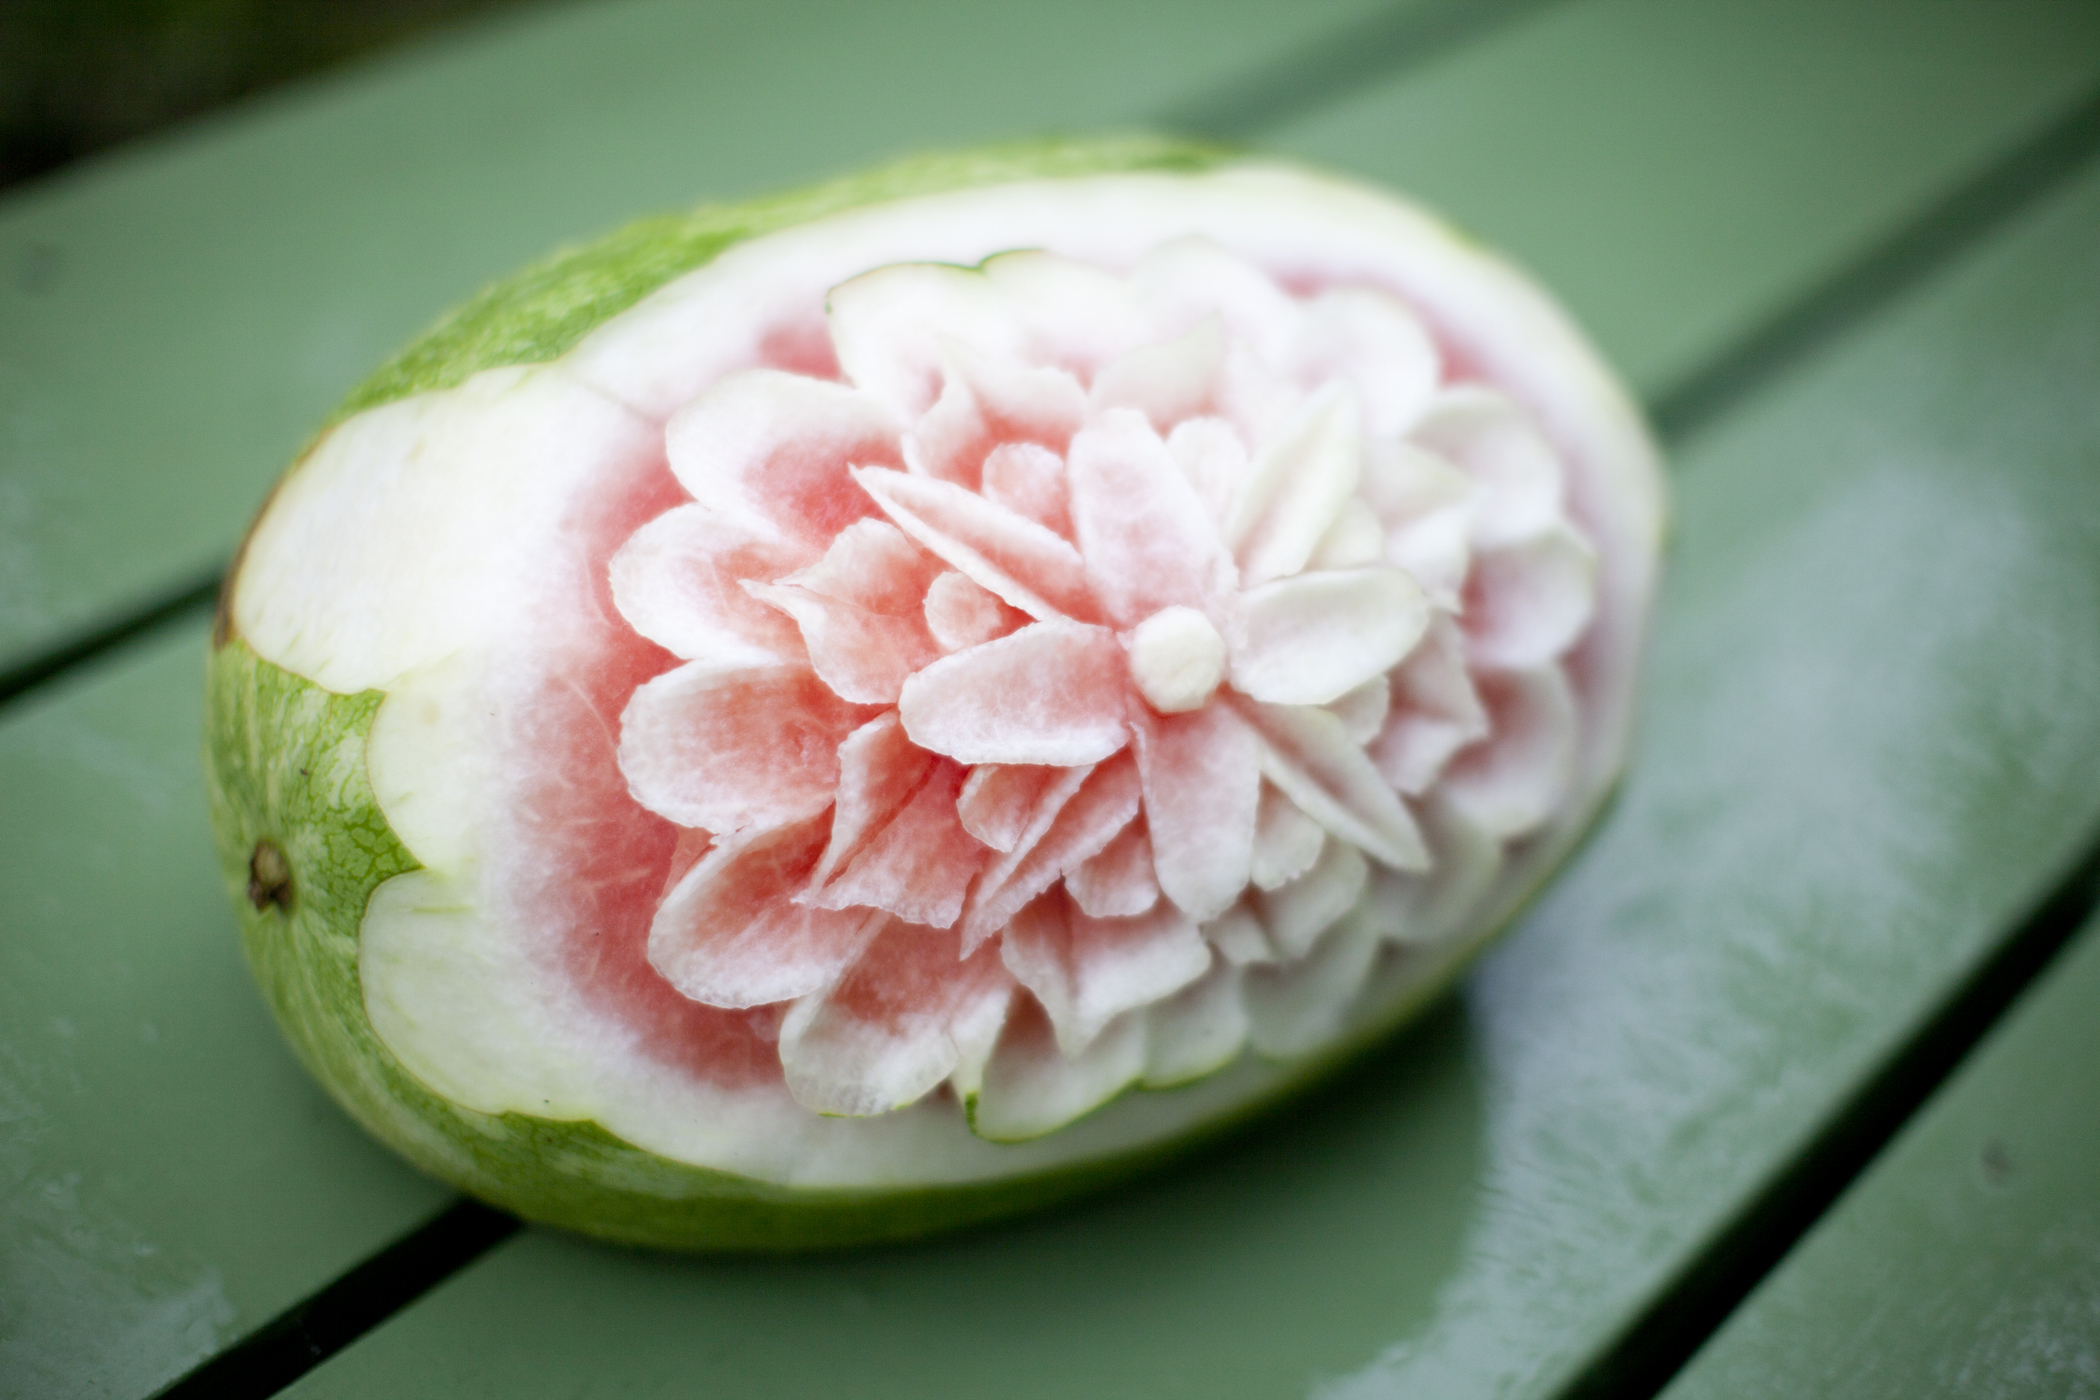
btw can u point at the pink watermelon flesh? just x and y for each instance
(844, 759)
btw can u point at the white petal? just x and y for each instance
(1298, 913)
(1515, 780)
(887, 1032)
(1286, 841)
(1296, 487)
(1087, 971)
(1167, 382)
(1030, 1088)
(1239, 936)
(1297, 1006)
(1530, 601)
(1196, 1031)
(1306, 752)
(1427, 909)
(1311, 638)
(1363, 710)
(1435, 712)
(1490, 438)
(1212, 457)
(1379, 345)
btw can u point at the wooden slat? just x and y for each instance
(1678, 172)
(1872, 740)
(1967, 1261)
(170, 1174)
(176, 320)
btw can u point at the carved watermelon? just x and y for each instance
(862, 712)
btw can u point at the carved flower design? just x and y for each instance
(1091, 643)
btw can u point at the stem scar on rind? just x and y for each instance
(269, 877)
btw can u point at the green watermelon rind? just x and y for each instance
(286, 763)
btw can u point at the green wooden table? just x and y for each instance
(1848, 256)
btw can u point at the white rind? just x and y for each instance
(446, 510)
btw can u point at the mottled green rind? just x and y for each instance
(538, 314)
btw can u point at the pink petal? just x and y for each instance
(1032, 568)
(1030, 1087)
(1298, 913)
(1306, 751)
(1488, 437)
(887, 1032)
(725, 748)
(1119, 882)
(1286, 841)
(774, 447)
(1435, 712)
(1087, 971)
(729, 934)
(861, 611)
(919, 866)
(1029, 480)
(872, 564)
(1515, 781)
(1202, 781)
(864, 656)
(1166, 382)
(1296, 487)
(961, 615)
(1311, 638)
(988, 404)
(677, 582)
(1020, 403)
(1146, 537)
(1101, 807)
(1528, 602)
(879, 770)
(950, 442)
(1054, 693)
(1009, 805)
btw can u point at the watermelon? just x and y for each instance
(866, 711)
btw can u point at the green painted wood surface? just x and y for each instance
(1966, 1261)
(174, 322)
(1428, 1141)
(1659, 164)
(1872, 740)
(170, 1175)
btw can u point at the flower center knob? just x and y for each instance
(1177, 659)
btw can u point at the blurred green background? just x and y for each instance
(77, 76)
